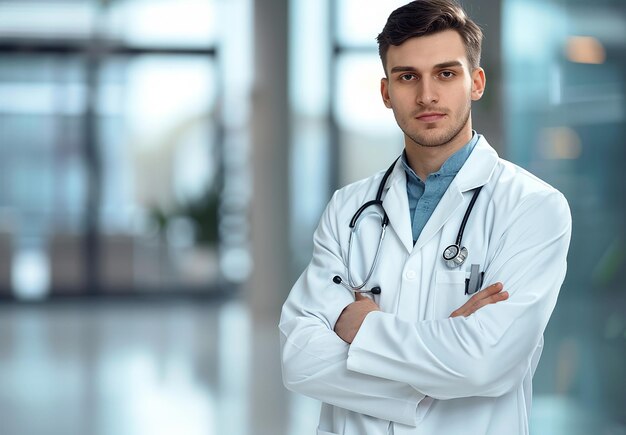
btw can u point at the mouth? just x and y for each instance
(430, 116)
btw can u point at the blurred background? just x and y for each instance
(164, 163)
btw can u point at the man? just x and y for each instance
(425, 352)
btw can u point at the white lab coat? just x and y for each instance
(411, 369)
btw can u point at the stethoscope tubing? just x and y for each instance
(354, 286)
(459, 236)
(351, 285)
(385, 221)
(376, 201)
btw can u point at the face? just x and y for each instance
(430, 88)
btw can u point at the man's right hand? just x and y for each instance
(489, 295)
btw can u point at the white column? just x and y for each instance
(270, 280)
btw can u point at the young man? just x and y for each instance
(429, 349)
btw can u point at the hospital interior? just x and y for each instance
(164, 163)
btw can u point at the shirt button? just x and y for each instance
(410, 274)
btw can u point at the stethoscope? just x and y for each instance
(453, 256)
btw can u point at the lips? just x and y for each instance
(430, 116)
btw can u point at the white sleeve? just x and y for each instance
(314, 357)
(489, 352)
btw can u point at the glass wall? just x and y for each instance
(365, 127)
(112, 120)
(566, 122)
(342, 129)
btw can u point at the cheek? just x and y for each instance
(399, 100)
(463, 97)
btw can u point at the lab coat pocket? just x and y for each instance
(324, 432)
(449, 292)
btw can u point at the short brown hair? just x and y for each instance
(425, 17)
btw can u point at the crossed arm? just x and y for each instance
(353, 315)
(483, 349)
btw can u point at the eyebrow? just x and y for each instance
(449, 64)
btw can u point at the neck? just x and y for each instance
(425, 160)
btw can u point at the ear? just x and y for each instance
(478, 83)
(384, 92)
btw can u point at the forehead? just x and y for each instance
(424, 52)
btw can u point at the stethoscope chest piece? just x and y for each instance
(454, 256)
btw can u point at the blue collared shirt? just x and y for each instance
(424, 196)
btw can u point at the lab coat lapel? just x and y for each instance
(396, 203)
(475, 172)
(449, 204)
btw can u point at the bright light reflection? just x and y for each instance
(166, 22)
(236, 264)
(234, 379)
(585, 49)
(58, 19)
(362, 20)
(165, 94)
(359, 104)
(547, 19)
(30, 274)
(560, 143)
(159, 400)
(193, 160)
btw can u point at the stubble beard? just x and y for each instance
(445, 137)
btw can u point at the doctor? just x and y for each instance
(400, 333)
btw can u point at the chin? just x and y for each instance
(437, 139)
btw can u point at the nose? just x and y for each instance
(427, 92)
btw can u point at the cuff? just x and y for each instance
(364, 342)
(361, 358)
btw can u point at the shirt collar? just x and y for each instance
(451, 166)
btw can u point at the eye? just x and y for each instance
(408, 77)
(447, 74)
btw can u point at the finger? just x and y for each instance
(489, 291)
(461, 310)
(494, 288)
(485, 293)
(364, 300)
(474, 303)
(499, 297)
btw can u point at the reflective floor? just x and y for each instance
(117, 368)
(164, 367)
